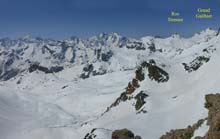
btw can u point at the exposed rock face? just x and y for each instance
(87, 71)
(140, 100)
(152, 47)
(19, 53)
(117, 134)
(99, 72)
(98, 133)
(139, 75)
(199, 60)
(213, 105)
(186, 133)
(196, 63)
(106, 56)
(154, 72)
(124, 134)
(213, 120)
(97, 52)
(90, 135)
(132, 86)
(45, 48)
(9, 74)
(218, 32)
(135, 45)
(35, 67)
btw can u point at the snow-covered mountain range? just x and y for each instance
(86, 89)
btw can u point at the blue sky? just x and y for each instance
(84, 18)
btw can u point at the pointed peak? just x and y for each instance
(208, 31)
(107, 34)
(175, 35)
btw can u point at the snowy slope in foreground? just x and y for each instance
(59, 105)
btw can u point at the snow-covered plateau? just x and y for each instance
(88, 88)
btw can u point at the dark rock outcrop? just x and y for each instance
(213, 121)
(186, 133)
(135, 44)
(152, 47)
(196, 63)
(87, 70)
(140, 100)
(154, 72)
(200, 60)
(213, 105)
(100, 72)
(95, 133)
(46, 48)
(9, 74)
(46, 70)
(124, 134)
(98, 53)
(218, 32)
(106, 56)
(132, 86)
(90, 135)
(139, 75)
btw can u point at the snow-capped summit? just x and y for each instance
(106, 52)
(88, 88)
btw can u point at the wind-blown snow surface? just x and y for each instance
(59, 105)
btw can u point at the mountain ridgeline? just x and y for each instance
(106, 52)
(111, 87)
